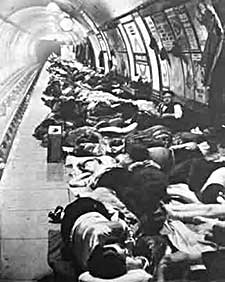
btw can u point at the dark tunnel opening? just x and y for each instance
(44, 48)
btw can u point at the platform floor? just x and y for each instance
(29, 189)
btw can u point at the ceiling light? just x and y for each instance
(66, 24)
(53, 7)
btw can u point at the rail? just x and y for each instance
(23, 87)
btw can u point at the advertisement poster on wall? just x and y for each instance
(189, 85)
(142, 69)
(134, 37)
(101, 42)
(176, 76)
(174, 67)
(153, 31)
(163, 63)
(200, 29)
(178, 30)
(117, 44)
(140, 57)
(199, 77)
(115, 40)
(164, 30)
(165, 74)
(184, 18)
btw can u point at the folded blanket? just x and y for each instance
(119, 130)
(186, 240)
(86, 169)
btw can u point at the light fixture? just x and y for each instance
(53, 7)
(66, 24)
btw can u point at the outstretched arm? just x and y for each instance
(189, 211)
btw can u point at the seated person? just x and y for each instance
(170, 112)
(97, 243)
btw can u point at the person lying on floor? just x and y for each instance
(98, 243)
(206, 232)
(190, 149)
(140, 184)
(202, 244)
(195, 171)
(189, 145)
(186, 251)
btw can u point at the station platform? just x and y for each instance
(29, 189)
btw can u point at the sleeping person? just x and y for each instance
(99, 244)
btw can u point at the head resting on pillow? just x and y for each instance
(106, 263)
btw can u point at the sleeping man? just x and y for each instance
(98, 243)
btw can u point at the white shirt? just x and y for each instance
(178, 111)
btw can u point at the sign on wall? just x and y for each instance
(139, 52)
(163, 64)
(199, 77)
(142, 69)
(196, 19)
(164, 74)
(177, 29)
(101, 42)
(184, 19)
(188, 77)
(134, 37)
(153, 31)
(164, 30)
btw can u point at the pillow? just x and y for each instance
(137, 275)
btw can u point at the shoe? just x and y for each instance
(56, 215)
(58, 209)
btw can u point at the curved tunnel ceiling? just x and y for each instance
(27, 21)
(100, 10)
(25, 27)
(24, 24)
